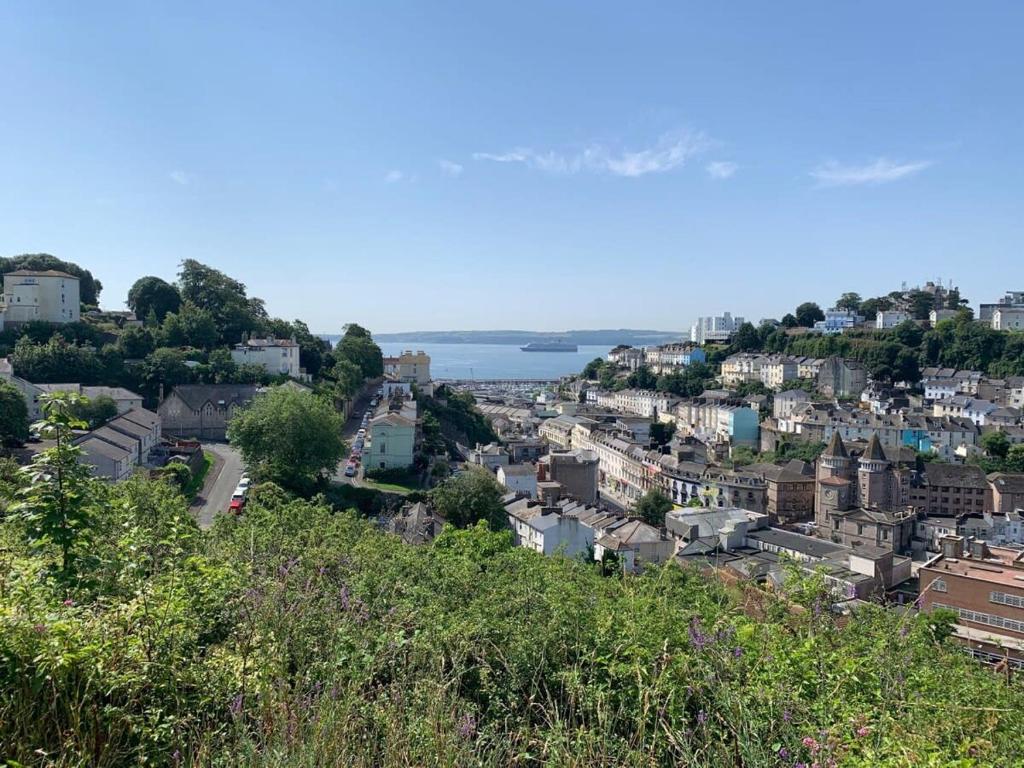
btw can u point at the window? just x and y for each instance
(860, 529)
(939, 585)
(1002, 598)
(984, 618)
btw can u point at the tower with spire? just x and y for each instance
(872, 479)
(834, 483)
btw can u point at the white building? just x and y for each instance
(519, 478)
(46, 295)
(837, 321)
(890, 318)
(715, 328)
(1008, 319)
(276, 356)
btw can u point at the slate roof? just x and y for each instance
(195, 396)
(956, 475)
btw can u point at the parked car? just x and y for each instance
(236, 506)
(350, 470)
(245, 482)
(239, 494)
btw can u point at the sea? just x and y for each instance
(498, 361)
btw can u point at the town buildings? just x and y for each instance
(837, 321)
(1013, 300)
(409, 366)
(124, 399)
(48, 295)
(576, 471)
(887, 319)
(115, 449)
(520, 479)
(278, 357)
(719, 328)
(391, 436)
(202, 411)
(841, 378)
(984, 586)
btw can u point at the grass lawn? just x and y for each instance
(390, 487)
(196, 483)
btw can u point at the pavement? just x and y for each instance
(220, 483)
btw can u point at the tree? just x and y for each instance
(871, 307)
(652, 507)
(290, 438)
(468, 498)
(164, 366)
(747, 338)
(661, 432)
(593, 369)
(358, 347)
(96, 411)
(233, 312)
(996, 444)
(153, 295)
(1015, 458)
(349, 378)
(921, 304)
(807, 314)
(190, 327)
(849, 301)
(56, 361)
(641, 378)
(58, 503)
(135, 342)
(789, 320)
(13, 416)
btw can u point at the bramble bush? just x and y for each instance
(298, 636)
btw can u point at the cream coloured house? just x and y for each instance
(46, 295)
(276, 356)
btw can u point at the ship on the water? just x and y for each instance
(550, 346)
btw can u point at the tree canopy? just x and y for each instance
(289, 437)
(233, 311)
(153, 294)
(469, 498)
(652, 507)
(808, 313)
(13, 416)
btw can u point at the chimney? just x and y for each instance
(952, 546)
(978, 548)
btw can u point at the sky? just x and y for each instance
(535, 165)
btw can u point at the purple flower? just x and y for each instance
(737, 652)
(783, 753)
(904, 630)
(702, 717)
(697, 637)
(176, 757)
(467, 726)
(236, 704)
(344, 597)
(786, 715)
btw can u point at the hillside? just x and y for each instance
(300, 636)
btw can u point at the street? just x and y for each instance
(220, 483)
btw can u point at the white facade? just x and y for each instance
(887, 319)
(837, 321)
(1008, 319)
(276, 356)
(715, 328)
(49, 296)
(519, 478)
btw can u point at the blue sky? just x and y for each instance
(535, 165)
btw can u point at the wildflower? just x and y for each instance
(863, 731)
(69, 602)
(702, 717)
(904, 630)
(236, 704)
(787, 716)
(811, 743)
(783, 753)
(176, 757)
(737, 652)
(40, 628)
(344, 597)
(697, 637)
(467, 726)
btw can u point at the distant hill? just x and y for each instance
(607, 337)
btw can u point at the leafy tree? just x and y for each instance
(652, 506)
(190, 327)
(349, 378)
(921, 304)
(153, 295)
(1015, 458)
(135, 342)
(55, 362)
(849, 301)
(871, 307)
(908, 333)
(641, 378)
(789, 320)
(996, 444)
(807, 314)
(747, 338)
(469, 498)
(661, 432)
(593, 369)
(96, 411)
(58, 503)
(13, 416)
(88, 286)
(233, 312)
(358, 348)
(290, 438)
(163, 367)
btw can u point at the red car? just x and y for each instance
(236, 506)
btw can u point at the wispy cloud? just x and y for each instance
(721, 169)
(393, 177)
(671, 151)
(880, 171)
(180, 177)
(448, 168)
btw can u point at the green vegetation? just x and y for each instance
(393, 480)
(89, 287)
(290, 438)
(469, 498)
(297, 636)
(457, 417)
(689, 382)
(652, 506)
(198, 478)
(13, 416)
(741, 455)
(152, 295)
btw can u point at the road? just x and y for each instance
(220, 483)
(348, 432)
